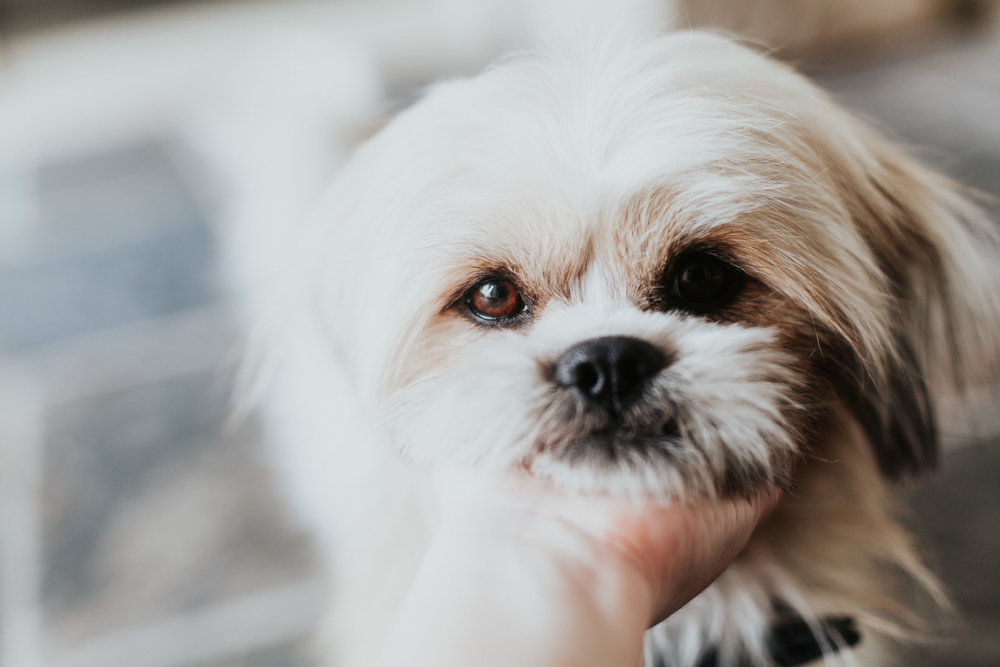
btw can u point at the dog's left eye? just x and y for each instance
(495, 300)
(701, 282)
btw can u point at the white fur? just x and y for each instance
(585, 171)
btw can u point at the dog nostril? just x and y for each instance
(589, 378)
(610, 371)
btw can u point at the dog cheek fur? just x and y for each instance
(469, 404)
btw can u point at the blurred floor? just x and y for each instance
(955, 518)
(140, 527)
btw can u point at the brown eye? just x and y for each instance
(702, 281)
(495, 299)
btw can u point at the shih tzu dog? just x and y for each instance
(671, 269)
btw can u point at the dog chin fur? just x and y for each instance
(868, 290)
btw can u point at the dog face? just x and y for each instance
(667, 269)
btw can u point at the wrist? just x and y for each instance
(551, 560)
(524, 590)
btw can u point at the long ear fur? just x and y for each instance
(898, 417)
(940, 256)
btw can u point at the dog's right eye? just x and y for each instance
(495, 301)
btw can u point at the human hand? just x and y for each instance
(520, 573)
(665, 554)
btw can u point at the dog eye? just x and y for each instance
(495, 299)
(702, 281)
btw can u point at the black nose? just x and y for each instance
(610, 372)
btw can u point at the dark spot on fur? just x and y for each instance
(898, 418)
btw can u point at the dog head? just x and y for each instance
(668, 268)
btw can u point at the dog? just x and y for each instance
(670, 269)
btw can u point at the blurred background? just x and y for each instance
(139, 523)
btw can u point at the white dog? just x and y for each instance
(671, 269)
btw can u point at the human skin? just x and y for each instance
(521, 574)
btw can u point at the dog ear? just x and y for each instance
(897, 416)
(940, 257)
